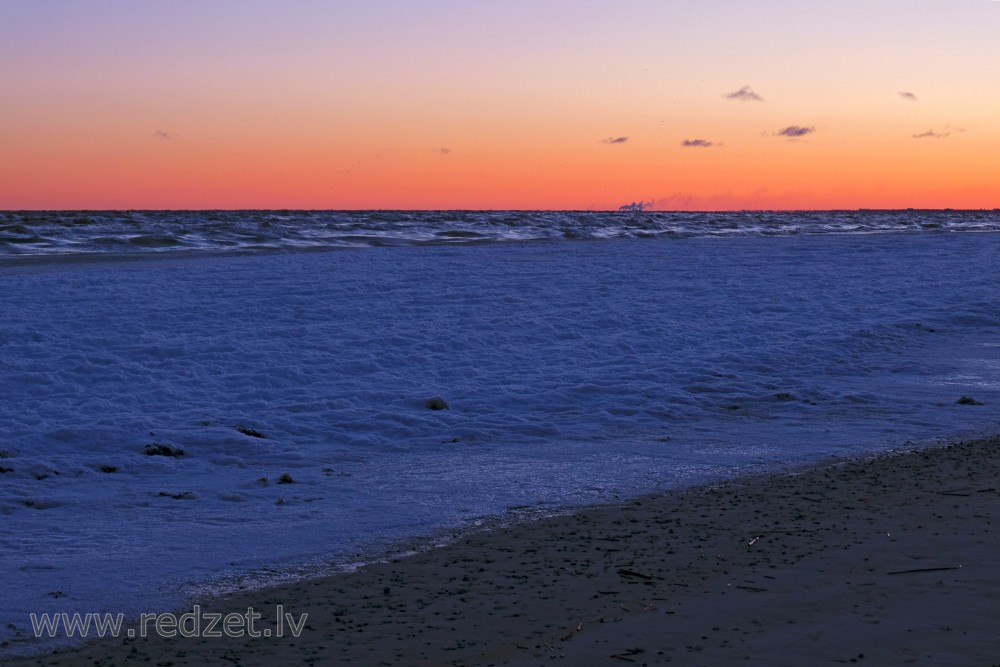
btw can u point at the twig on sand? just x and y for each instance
(926, 569)
(625, 655)
(579, 626)
(633, 573)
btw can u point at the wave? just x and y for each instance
(34, 233)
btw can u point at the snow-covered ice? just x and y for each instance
(575, 373)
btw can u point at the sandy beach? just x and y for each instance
(890, 560)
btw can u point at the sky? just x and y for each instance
(540, 104)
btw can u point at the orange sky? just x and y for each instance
(258, 104)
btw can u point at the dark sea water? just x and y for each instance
(81, 232)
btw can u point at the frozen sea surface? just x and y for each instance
(576, 373)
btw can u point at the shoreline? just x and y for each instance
(888, 559)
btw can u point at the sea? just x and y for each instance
(193, 402)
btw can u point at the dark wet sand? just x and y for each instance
(886, 561)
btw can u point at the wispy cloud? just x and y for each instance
(906, 95)
(697, 143)
(932, 134)
(442, 151)
(794, 131)
(745, 94)
(614, 140)
(164, 135)
(681, 201)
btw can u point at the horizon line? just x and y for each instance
(495, 210)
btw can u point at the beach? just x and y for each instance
(883, 560)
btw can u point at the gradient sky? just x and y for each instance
(517, 104)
